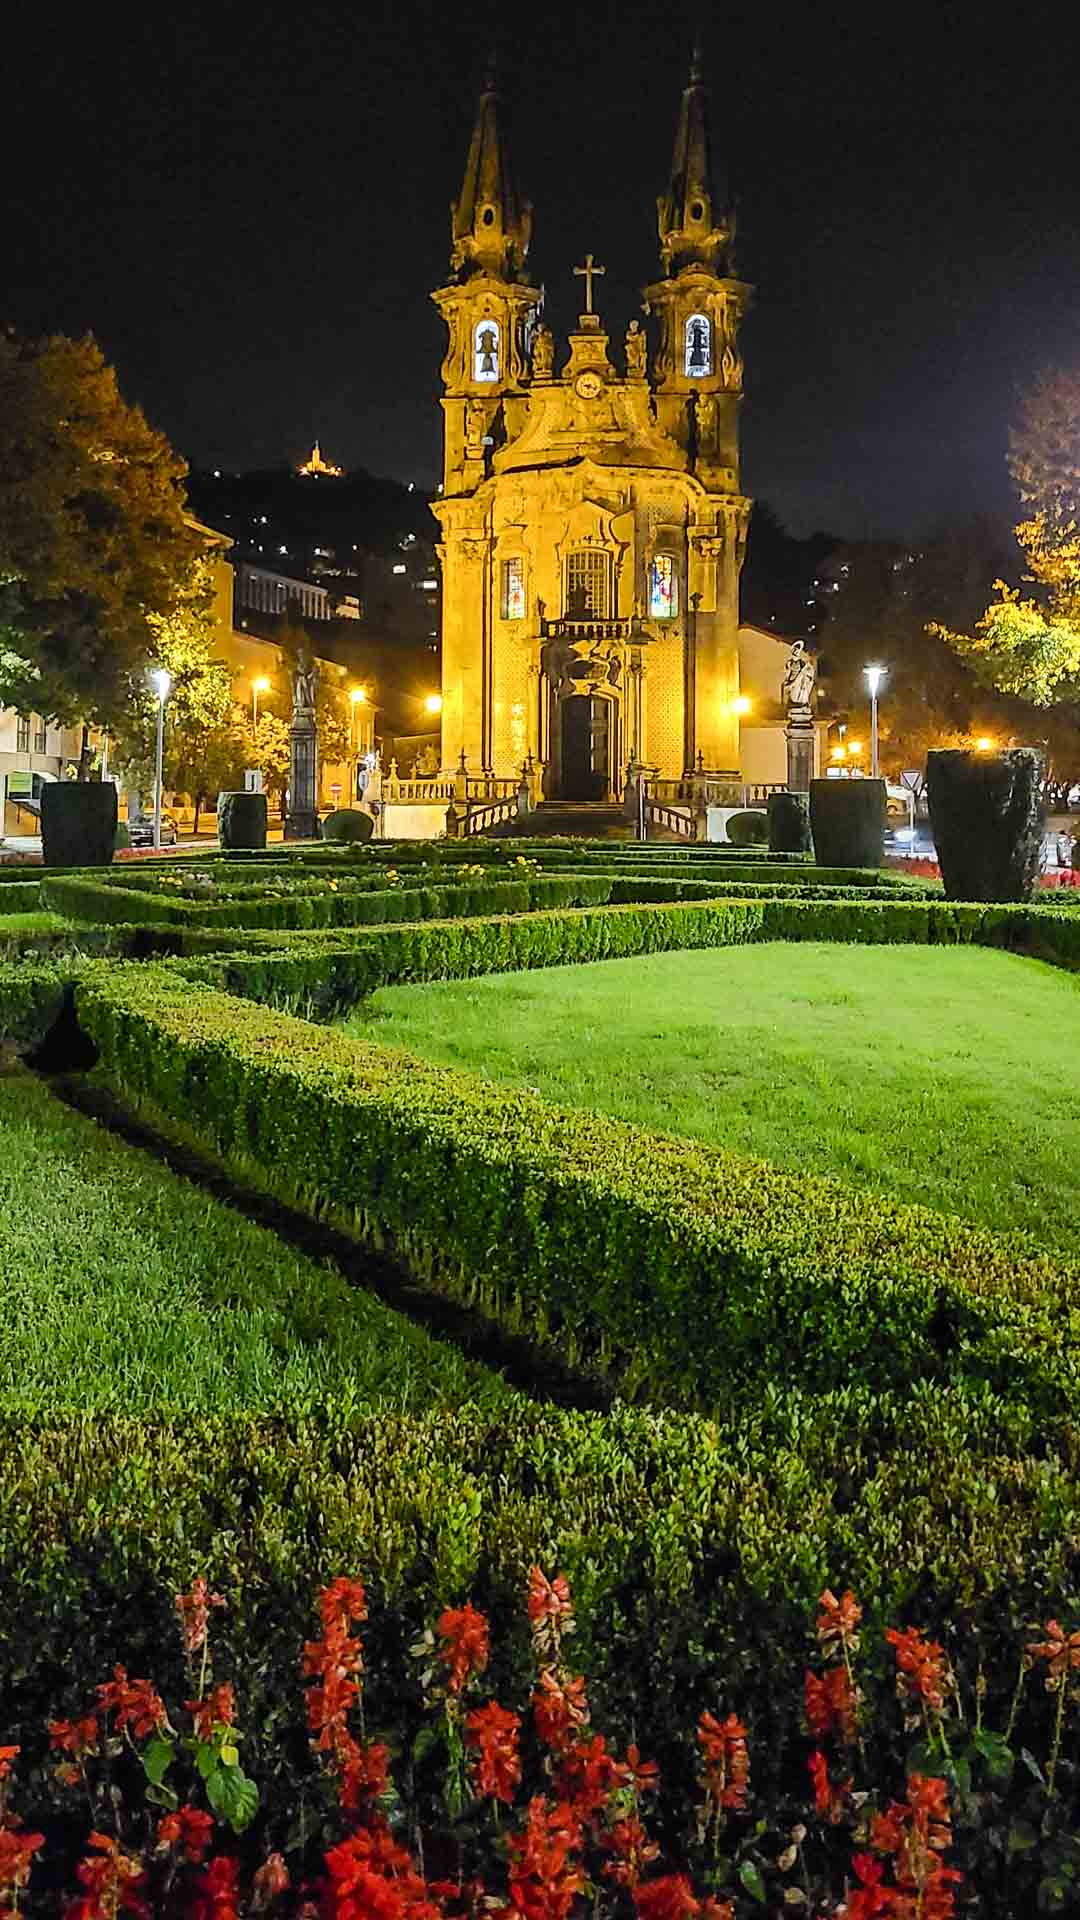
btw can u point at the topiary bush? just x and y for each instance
(78, 823)
(241, 820)
(986, 816)
(847, 820)
(123, 838)
(750, 829)
(348, 826)
(789, 822)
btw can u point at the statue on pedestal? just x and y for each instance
(302, 819)
(797, 685)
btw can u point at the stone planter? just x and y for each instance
(789, 822)
(847, 820)
(241, 821)
(986, 816)
(78, 823)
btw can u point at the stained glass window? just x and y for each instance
(513, 589)
(486, 350)
(698, 359)
(587, 585)
(663, 587)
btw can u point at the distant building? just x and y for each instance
(316, 468)
(263, 591)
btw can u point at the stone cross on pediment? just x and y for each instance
(588, 273)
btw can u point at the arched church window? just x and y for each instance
(513, 588)
(663, 587)
(587, 585)
(486, 350)
(698, 358)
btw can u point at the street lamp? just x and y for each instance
(983, 744)
(257, 687)
(742, 704)
(433, 703)
(162, 681)
(357, 699)
(873, 677)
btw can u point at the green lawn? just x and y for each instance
(948, 1076)
(124, 1287)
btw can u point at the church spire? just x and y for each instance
(694, 227)
(491, 223)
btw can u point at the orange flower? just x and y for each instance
(113, 1881)
(492, 1733)
(559, 1709)
(7, 1755)
(364, 1771)
(838, 1620)
(830, 1800)
(17, 1850)
(830, 1704)
(194, 1610)
(669, 1898)
(77, 1737)
(544, 1879)
(726, 1773)
(923, 1672)
(341, 1602)
(217, 1710)
(1061, 1652)
(551, 1612)
(642, 1775)
(135, 1703)
(189, 1828)
(465, 1644)
(631, 1850)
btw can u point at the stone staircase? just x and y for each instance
(578, 819)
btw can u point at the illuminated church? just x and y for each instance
(592, 523)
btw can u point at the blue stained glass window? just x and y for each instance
(663, 587)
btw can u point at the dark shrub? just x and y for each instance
(847, 820)
(789, 822)
(123, 838)
(348, 826)
(986, 817)
(241, 820)
(748, 829)
(78, 823)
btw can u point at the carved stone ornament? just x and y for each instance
(543, 353)
(473, 547)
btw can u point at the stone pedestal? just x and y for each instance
(302, 819)
(799, 734)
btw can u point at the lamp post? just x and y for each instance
(162, 681)
(873, 677)
(357, 698)
(257, 687)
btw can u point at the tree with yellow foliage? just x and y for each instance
(1031, 647)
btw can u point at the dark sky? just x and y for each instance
(248, 206)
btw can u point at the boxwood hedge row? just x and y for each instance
(680, 1271)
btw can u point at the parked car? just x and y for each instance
(141, 831)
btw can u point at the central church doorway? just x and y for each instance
(586, 747)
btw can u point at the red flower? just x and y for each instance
(465, 1644)
(17, 1850)
(7, 1755)
(631, 1850)
(372, 1878)
(923, 1672)
(642, 1775)
(269, 1880)
(194, 1610)
(726, 1772)
(190, 1828)
(588, 1775)
(560, 1709)
(830, 1704)
(670, 1898)
(364, 1771)
(551, 1612)
(838, 1620)
(830, 1800)
(341, 1602)
(113, 1883)
(916, 1832)
(135, 1703)
(544, 1878)
(869, 1898)
(217, 1710)
(492, 1733)
(217, 1893)
(77, 1737)
(1060, 1651)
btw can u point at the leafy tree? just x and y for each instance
(199, 709)
(269, 749)
(94, 540)
(1031, 648)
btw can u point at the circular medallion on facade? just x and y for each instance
(588, 384)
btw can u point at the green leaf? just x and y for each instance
(233, 1796)
(1022, 1837)
(206, 1760)
(157, 1759)
(163, 1797)
(752, 1881)
(1033, 1766)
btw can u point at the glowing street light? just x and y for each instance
(838, 752)
(161, 681)
(983, 744)
(358, 696)
(261, 685)
(873, 677)
(743, 704)
(433, 703)
(854, 747)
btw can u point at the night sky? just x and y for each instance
(248, 207)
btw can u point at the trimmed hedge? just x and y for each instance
(78, 822)
(241, 820)
(847, 821)
(748, 829)
(675, 1269)
(987, 816)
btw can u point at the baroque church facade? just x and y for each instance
(592, 524)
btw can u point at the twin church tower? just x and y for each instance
(592, 523)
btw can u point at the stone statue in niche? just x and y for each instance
(636, 350)
(797, 685)
(705, 416)
(475, 421)
(543, 353)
